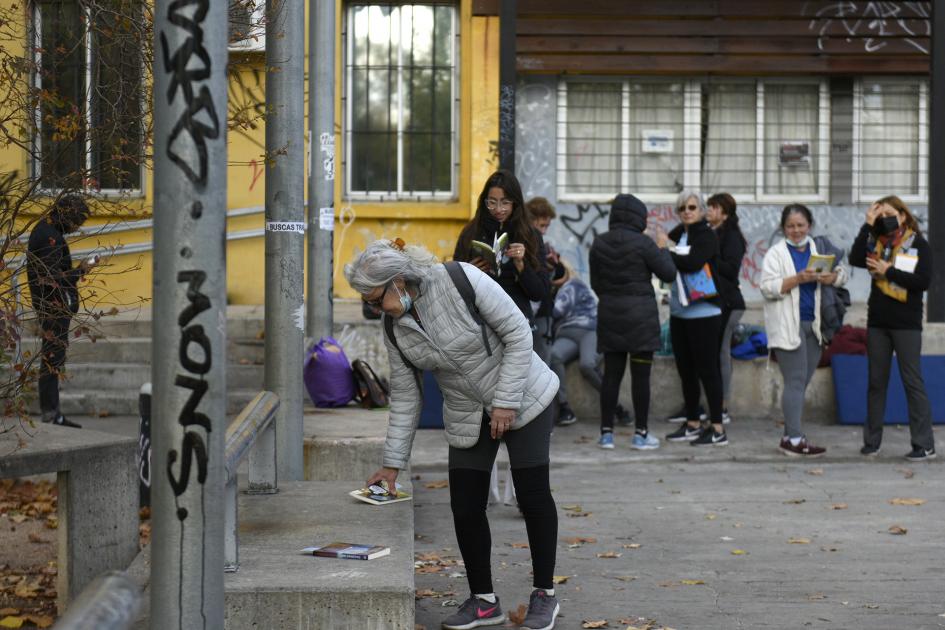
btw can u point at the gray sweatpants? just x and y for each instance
(725, 353)
(880, 344)
(797, 368)
(575, 343)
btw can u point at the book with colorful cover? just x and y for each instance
(348, 551)
(491, 253)
(821, 263)
(698, 285)
(379, 495)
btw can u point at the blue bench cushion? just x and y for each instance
(850, 378)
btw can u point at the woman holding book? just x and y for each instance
(891, 246)
(495, 389)
(791, 279)
(695, 317)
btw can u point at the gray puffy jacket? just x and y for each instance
(450, 345)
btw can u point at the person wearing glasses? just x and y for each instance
(792, 292)
(495, 389)
(520, 267)
(693, 323)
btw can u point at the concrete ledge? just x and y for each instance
(344, 443)
(277, 587)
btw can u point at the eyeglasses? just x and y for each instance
(691, 207)
(378, 302)
(492, 204)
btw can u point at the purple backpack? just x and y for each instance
(327, 374)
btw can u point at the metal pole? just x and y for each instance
(936, 235)
(321, 182)
(188, 365)
(278, 452)
(110, 602)
(507, 81)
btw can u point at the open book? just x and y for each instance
(491, 253)
(821, 263)
(348, 551)
(377, 495)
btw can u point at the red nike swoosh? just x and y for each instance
(485, 613)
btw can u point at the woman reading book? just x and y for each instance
(792, 292)
(495, 389)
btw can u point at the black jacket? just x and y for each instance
(622, 262)
(882, 310)
(703, 248)
(531, 285)
(53, 280)
(729, 264)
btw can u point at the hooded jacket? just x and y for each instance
(622, 263)
(52, 278)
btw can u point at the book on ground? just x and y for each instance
(376, 495)
(821, 263)
(348, 551)
(491, 253)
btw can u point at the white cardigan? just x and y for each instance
(783, 310)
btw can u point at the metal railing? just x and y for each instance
(110, 602)
(241, 435)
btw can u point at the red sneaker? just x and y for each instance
(803, 449)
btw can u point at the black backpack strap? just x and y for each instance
(389, 331)
(461, 280)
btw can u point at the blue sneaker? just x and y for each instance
(606, 440)
(644, 443)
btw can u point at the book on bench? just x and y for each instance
(348, 551)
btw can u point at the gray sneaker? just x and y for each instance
(475, 612)
(542, 610)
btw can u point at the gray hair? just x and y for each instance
(687, 194)
(383, 260)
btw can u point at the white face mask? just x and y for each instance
(800, 244)
(405, 300)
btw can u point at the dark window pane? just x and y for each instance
(418, 100)
(443, 101)
(374, 162)
(442, 162)
(443, 36)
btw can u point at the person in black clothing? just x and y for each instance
(891, 246)
(54, 291)
(693, 322)
(521, 268)
(622, 263)
(722, 215)
(541, 213)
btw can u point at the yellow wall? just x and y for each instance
(126, 279)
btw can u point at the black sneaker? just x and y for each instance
(624, 418)
(869, 451)
(542, 610)
(63, 421)
(565, 415)
(710, 438)
(475, 612)
(685, 433)
(680, 416)
(918, 454)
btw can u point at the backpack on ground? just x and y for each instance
(369, 390)
(327, 374)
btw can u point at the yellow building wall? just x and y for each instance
(126, 278)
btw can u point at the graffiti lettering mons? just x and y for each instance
(190, 63)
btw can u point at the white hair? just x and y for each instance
(383, 260)
(686, 195)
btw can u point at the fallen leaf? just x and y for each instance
(691, 582)
(798, 541)
(577, 541)
(560, 579)
(609, 554)
(449, 602)
(625, 578)
(571, 508)
(726, 539)
(597, 623)
(428, 569)
(871, 606)
(437, 485)
(517, 616)
(6, 612)
(908, 473)
(898, 530)
(52, 522)
(839, 506)
(711, 517)
(18, 518)
(815, 471)
(816, 596)
(11, 622)
(901, 501)
(632, 546)
(795, 501)
(519, 545)
(429, 592)
(36, 538)
(578, 514)
(739, 552)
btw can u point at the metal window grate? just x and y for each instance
(401, 101)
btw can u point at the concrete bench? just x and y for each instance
(98, 497)
(343, 443)
(278, 587)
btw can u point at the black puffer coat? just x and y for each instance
(622, 263)
(729, 264)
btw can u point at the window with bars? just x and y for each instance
(401, 101)
(890, 139)
(88, 83)
(761, 139)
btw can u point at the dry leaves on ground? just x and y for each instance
(571, 508)
(903, 501)
(595, 623)
(739, 552)
(437, 485)
(798, 541)
(429, 592)
(907, 473)
(517, 616)
(815, 471)
(560, 579)
(816, 596)
(795, 501)
(577, 541)
(632, 546)
(609, 554)
(519, 545)
(579, 514)
(711, 516)
(431, 563)
(839, 506)
(691, 582)
(898, 530)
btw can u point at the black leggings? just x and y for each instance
(615, 363)
(695, 344)
(469, 496)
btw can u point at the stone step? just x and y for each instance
(129, 377)
(138, 350)
(103, 402)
